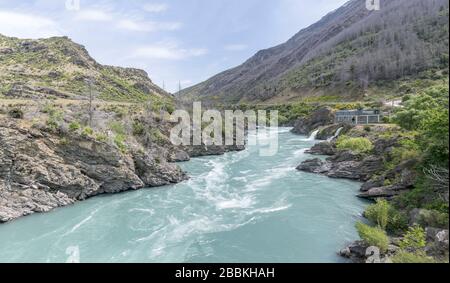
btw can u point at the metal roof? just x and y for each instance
(357, 112)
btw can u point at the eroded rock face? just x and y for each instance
(404, 174)
(323, 148)
(319, 118)
(203, 150)
(39, 171)
(345, 165)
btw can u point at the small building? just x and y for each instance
(359, 117)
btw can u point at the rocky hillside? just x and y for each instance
(55, 152)
(59, 68)
(350, 53)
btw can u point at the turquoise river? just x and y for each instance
(237, 208)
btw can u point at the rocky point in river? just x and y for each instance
(319, 118)
(368, 167)
(39, 171)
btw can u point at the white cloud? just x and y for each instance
(146, 26)
(155, 7)
(93, 16)
(236, 47)
(167, 51)
(27, 25)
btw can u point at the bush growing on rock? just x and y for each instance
(379, 213)
(414, 240)
(54, 119)
(117, 128)
(16, 113)
(101, 137)
(373, 236)
(119, 140)
(138, 128)
(87, 132)
(74, 126)
(358, 145)
(387, 217)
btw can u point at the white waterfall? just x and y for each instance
(336, 135)
(313, 135)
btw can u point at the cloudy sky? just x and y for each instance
(173, 40)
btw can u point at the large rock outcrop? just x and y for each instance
(330, 132)
(346, 165)
(319, 118)
(40, 171)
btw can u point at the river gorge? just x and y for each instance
(239, 207)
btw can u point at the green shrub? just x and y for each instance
(407, 257)
(414, 240)
(387, 217)
(157, 136)
(101, 137)
(119, 140)
(87, 132)
(398, 221)
(54, 119)
(373, 236)
(16, 113)
(74, 126)
(358, 145)
(48, 109)
(138, 128)
(64, 141)
(407, 150)
(379, 213)
(367, 129)
(117, 128)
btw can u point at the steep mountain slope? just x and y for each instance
(58, 67)
(345, 53)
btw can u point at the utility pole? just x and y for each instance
(91, 98)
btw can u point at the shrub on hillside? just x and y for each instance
(387, 217)
(414, 240)
(87, 132)
(16, 113)
(379, 213)
(119, 140)
(373, 236)
(138, 128)
(74, 126)
(358, 145)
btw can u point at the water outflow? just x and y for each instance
(239, 207)
(336, 135)
(313, 135)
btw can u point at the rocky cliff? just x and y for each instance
(39, 171)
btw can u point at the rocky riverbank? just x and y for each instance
(370, 168)
(384, 176)
(39, 171)
(48, 159)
